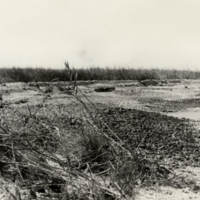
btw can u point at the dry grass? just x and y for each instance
(36, 151)
(43, 153)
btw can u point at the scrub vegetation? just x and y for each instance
(16, 74)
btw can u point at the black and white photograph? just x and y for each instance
(99, 99)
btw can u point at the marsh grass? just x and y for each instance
(17, 74)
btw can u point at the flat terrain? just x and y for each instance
(167, 115)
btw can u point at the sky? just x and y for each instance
(100, 33)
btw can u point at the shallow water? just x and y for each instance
(193, 114)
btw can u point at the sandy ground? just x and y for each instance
(127, 97)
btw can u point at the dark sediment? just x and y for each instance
(163, 137)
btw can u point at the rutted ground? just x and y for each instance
(148, 101)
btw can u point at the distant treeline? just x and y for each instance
(16, 74)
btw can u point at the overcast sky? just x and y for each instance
(121, 33)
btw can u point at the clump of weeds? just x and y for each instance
(55, 154)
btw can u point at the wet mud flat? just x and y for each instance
(168, 139)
